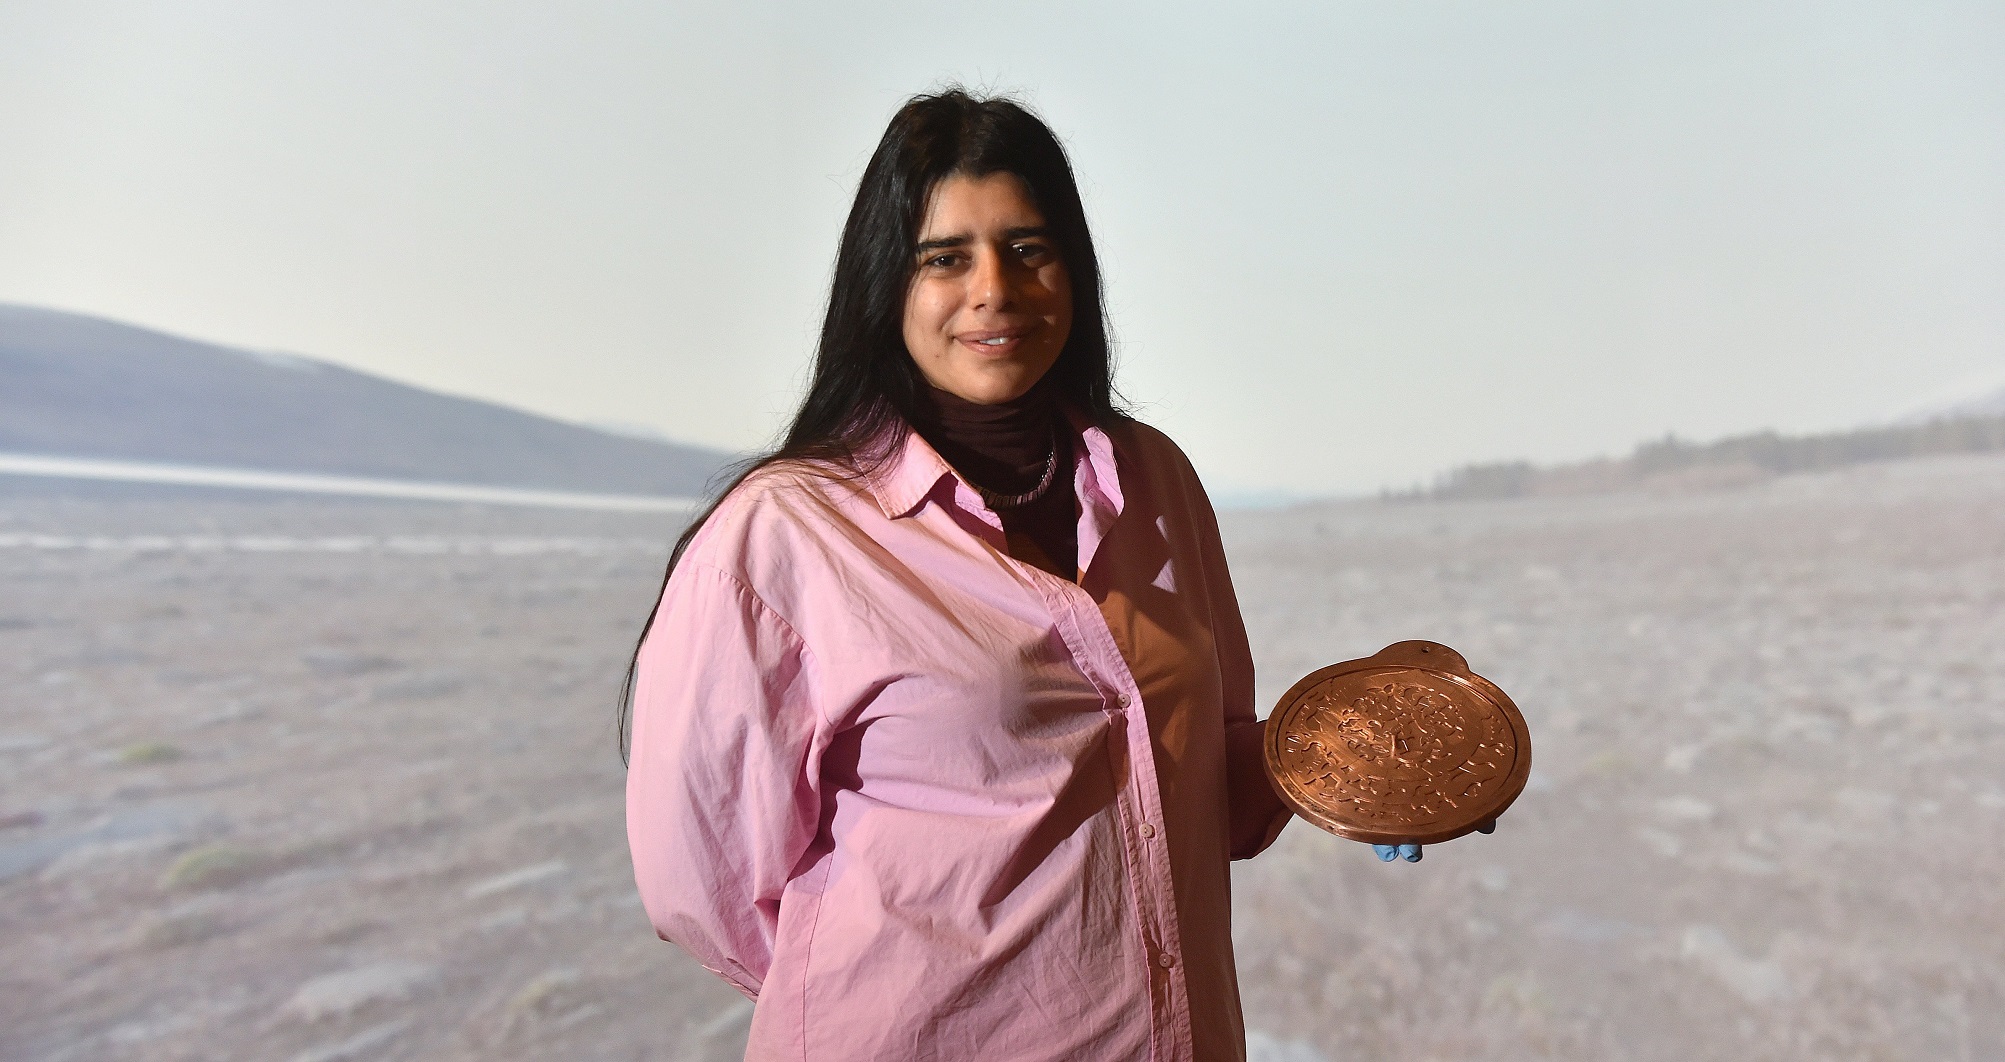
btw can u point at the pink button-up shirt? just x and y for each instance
(922, 800)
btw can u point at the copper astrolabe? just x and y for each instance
(1407, 746)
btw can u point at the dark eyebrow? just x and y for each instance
(929, 246)
(941, 244)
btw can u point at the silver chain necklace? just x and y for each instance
(1014, 501)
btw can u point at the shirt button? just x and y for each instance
(1123, 699)
(1149, 830)
(1166, 960)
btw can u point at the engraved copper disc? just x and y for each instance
(1407, 746)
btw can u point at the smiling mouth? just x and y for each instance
(998, 342)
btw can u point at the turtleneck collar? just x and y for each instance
(1002, 446)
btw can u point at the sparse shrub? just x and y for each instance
(143, 752)
(174, 931)
(542, 990)
(1608, 763)
(215, 866)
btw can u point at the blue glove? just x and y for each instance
(1411, 852)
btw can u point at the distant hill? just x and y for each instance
(80, 386)
(1991, 404)
(1676, 463)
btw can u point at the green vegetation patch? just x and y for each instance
(217, 866)
(149, 752)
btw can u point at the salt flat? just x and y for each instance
(319, 780)
(1767, 815)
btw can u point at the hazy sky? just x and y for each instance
(1348, 244)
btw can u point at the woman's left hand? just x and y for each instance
(1411, 852)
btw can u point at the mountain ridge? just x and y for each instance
(78, 385)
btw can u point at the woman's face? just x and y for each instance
(991, 304)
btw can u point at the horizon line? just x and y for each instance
(116, 470)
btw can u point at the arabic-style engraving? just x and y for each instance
(1398, 754)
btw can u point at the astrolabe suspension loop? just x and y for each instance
(1405, 746)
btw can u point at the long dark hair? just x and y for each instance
(866, 388)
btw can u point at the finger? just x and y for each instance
(1488, 827)
(1410, 852)
(1386, 852)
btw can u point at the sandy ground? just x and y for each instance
(323, 780)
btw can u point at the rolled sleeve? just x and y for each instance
(1256, 813)
(721, 798)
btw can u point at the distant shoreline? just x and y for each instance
(53, 466)
(1738, 460)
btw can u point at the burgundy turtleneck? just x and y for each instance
(1003, 448)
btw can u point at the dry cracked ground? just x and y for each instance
(317, 780)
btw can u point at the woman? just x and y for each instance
(943, 732)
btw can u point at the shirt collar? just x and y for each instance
(914, 470)
(909, 474)
(1100, 460)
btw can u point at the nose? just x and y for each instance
(993, 284)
